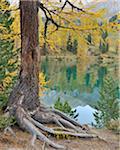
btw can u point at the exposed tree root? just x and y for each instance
(67, 126)
(34, 122)
(26, 122)
(66, 117)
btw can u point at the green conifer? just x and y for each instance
(108, 104)
(8, 56)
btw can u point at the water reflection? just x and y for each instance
(71, 72)
(87, 77)
(77, 82)
(102, 71)
(44, 68)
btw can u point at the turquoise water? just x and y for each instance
(77, 81)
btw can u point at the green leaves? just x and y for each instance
(75, 46)
(9, 22)
(89, 39)
(6, 121)
(69, 43)
(108, 105)
(8, 55)
(64, 107)
(72, 46)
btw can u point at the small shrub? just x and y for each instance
(66, 108)
(6, 121)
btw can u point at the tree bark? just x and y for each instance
(29, 72)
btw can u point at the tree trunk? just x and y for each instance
(29, 72)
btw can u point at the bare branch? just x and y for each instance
(49, 17)
(75, 7)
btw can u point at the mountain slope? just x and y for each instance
(112, 6)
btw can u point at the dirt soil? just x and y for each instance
(108, 141)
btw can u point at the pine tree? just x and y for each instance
(104, 45)
(69, 44)
(89, 39)
(75, 46)
(108, 105)
(64, 107)
(8, 56)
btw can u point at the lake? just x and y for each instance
(77, 81)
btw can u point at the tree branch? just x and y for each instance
(49, 18)
(72, 6)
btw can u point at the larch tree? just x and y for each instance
(8, 55)
(24, 102)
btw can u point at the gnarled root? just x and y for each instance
(35, 127)
(27, 123)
